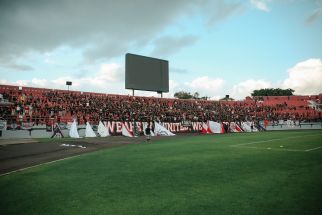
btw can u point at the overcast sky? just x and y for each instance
(213, 47)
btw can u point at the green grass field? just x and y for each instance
(250, 173)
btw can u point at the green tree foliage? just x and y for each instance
(187, 95)
(182, 95)
(273, 92)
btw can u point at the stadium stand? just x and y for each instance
(43, 106)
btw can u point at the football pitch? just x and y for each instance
(247, 173)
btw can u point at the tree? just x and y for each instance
(273, 92)
(196, 95)
(183, 95)
(187, 95)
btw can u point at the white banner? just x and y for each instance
(126, 131)
(73, 133)
(205, 129)
(159, 130)
(290, 123)
(3, 125)
(27, 125)
(247, 127)
(234, 127)
(215, 127)
(102, 130)
(89, 131)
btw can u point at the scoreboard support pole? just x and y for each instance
(160, 92)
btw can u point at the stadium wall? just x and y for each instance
(302, 126)
(115, 129)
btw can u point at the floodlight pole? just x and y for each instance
(132, 92)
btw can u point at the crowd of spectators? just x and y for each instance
(63, 106)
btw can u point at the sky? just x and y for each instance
(215, 48)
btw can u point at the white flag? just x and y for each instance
(246, 126)
(216, 127)
(234, 127)
(159, 130)
(126, 131)
(205, 128)
(89, 131)
(73, 133)
(102, 130)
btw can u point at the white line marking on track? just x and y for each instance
(29, 167)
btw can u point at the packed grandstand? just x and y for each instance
(40, 106)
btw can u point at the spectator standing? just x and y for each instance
(148, 133)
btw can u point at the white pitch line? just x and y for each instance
(29, 167)
(264, 141)
(290, 150)
(308, 150)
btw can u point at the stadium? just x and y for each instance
(144, 136)
(272, 153)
